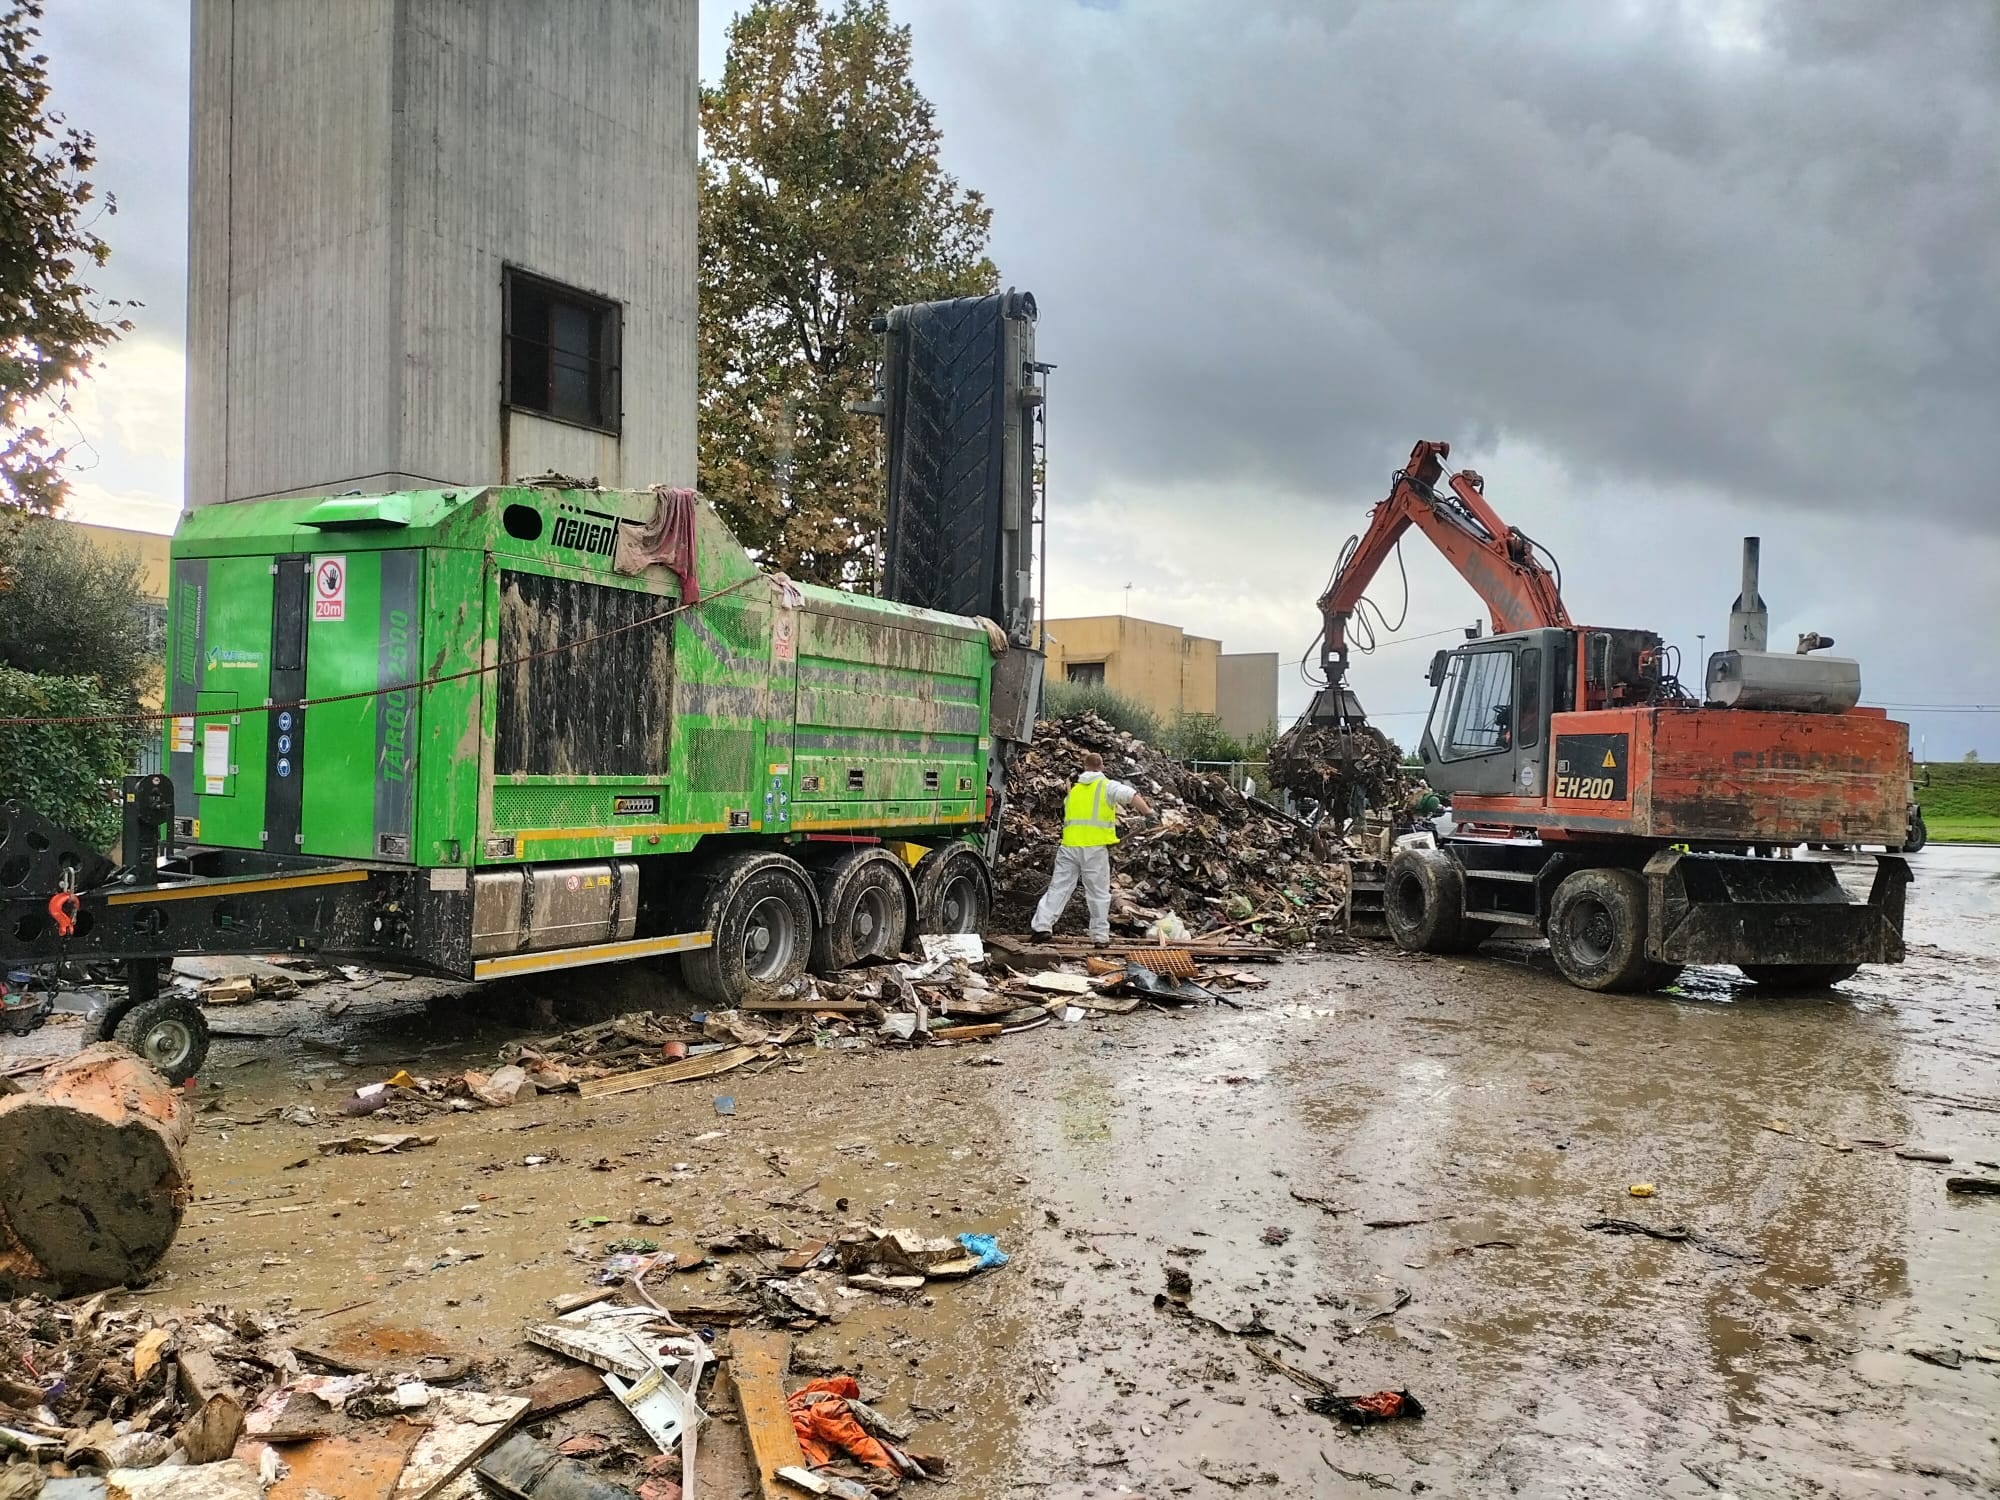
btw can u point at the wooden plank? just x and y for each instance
(966, 1033)
(356, 1468)
(757, 1362)
(463, 1425)
(680, 1072)
(837, 1007)
(559, 1392)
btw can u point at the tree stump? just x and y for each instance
(91, 1183)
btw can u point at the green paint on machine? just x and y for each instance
(597, 729)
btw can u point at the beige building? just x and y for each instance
(1167, 670)
(1246, 694)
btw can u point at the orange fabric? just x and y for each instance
(827, 1427)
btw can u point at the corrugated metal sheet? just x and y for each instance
(362, 172)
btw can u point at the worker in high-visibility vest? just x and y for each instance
(1090, 828)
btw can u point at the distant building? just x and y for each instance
(440, 243)
(1246, 694)
(1167, 670)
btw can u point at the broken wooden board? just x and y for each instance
(806, 1007)
(560, 1391)
(966, 1033)
(757, 1363)
(361, 1467)
(463, 1425)
(681, 1072)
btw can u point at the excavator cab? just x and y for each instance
(1487, 734)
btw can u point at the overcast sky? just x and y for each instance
(1667, 274)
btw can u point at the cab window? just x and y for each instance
(1474, 712)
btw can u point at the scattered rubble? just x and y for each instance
(1218, 860)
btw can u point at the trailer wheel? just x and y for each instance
(1919, 835)
(1597, 932)
(1423, 898)
(954, 891)
(169, 1032)
(762, 919)
(1787, 978)
(866, 899)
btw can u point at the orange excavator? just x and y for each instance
(1599, 802)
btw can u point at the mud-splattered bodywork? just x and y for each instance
(514, 698)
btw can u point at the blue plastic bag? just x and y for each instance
(986, 1248)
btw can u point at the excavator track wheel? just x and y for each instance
(1597, 932)
(169, 1032)
(1423, 900)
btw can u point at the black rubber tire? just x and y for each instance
(169, 1032)
(1597, 932)
(1797, 978)
(1919, 835)
(1423, 899)
(866, 902)
(761, 912)
(954, 890)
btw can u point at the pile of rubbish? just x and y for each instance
(1344, 771)
(962, 990)
(219, 1403)
(1217, 860)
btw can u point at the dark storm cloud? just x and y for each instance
(1735, 247)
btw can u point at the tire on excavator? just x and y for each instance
(1597, 933)
(1423, 898)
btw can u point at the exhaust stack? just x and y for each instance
(1749, 676)
(1749, 623)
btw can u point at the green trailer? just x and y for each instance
(485, 732)
(492, 732)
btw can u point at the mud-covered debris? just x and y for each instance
(1345, 771)
(1972, 1185)
(1942, 1355)
(1360, 1411)
(1213, 857)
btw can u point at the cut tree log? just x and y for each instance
(91, 1182)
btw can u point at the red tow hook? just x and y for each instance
(63, 907)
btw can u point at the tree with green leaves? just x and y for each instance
(823, 203)
(50, 327)
(70, 610)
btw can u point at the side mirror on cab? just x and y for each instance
(1439, 662)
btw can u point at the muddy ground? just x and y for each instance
(1495, 1109)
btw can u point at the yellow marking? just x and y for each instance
(1608, 760)
(236, 887)
(593, 953)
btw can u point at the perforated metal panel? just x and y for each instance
(961, 461)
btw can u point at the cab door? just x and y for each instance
(1487, 732)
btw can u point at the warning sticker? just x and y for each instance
(329, 588)
(1591, 767)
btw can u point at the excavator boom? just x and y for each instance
(1498, 560)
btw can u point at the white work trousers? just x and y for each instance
(1090, 868)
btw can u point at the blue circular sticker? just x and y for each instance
(284, 744)
(284, 768)
(285, 718)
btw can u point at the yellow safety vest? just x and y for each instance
(1090, 817)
